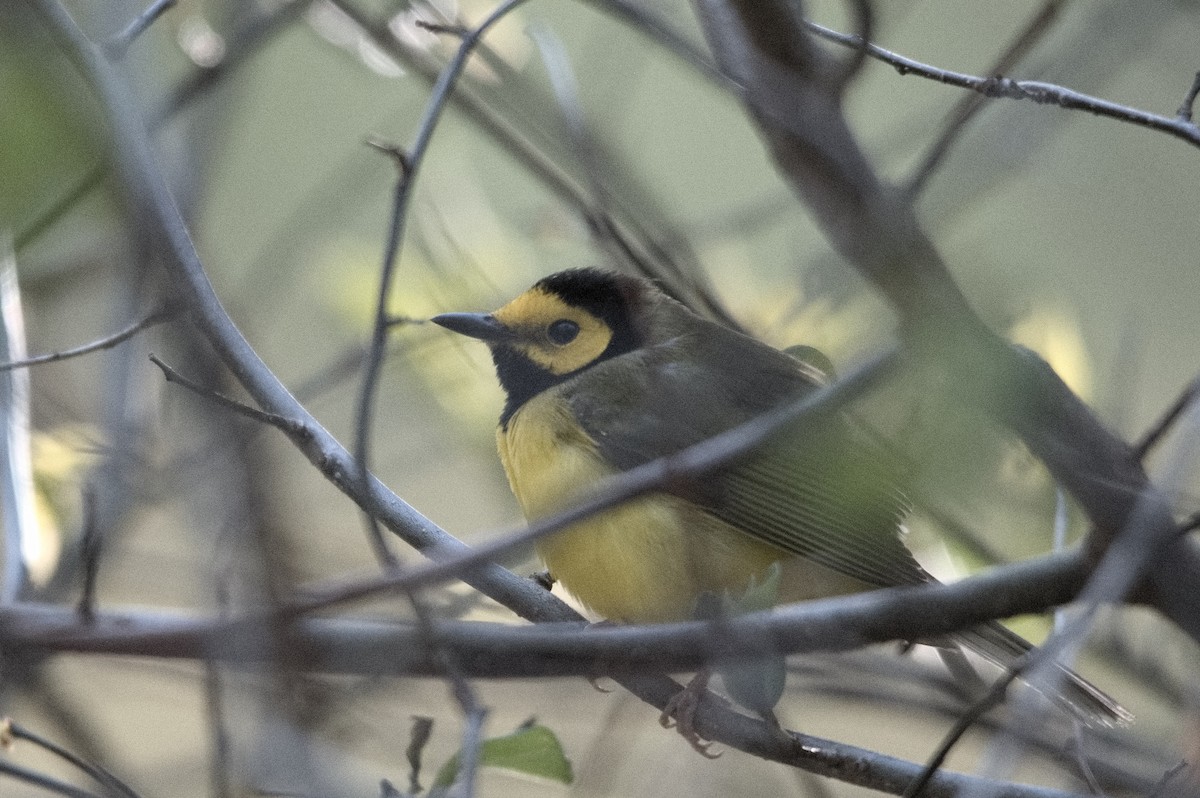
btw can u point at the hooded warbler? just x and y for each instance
(604, 372)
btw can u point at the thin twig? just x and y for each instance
(288, 425)
(1161, 787)
(692, 463)
(993, 698)
(864, 14)
(45, 782)
(156, 317)
(116, 47)
(1035, 91)
(464, 695)
(969, 104)
(393, 151)
(102, 776)
(1155, 434)
(243, 43)
(1189, 100)
(1081, 759)
(364, 414)
(409, 163)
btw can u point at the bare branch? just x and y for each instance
(117, 46)
(290, 426)
(488, 650)
(876, 229)
(410, 166)
(377, 648)
(156, 317)
(244, 43)
(680, 468)
(1189, 101)
(45, 782)
(969, 104)
(1032, 90)
(14, 731)
(1155, 434)
(993, 698)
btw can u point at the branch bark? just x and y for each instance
(788, 88)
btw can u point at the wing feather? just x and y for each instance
(826, 493)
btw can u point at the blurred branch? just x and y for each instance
(494, 650)
(152, 204)
(490, 650)
(687, 465)
(22, 535)
(876, 229)
(91, 548)
(11, 730)
(240, 46)
(637, 229)
(45, 782)
(642, 19)
(1156, 433)
(1179, 126)
(410, 165)
(116, 47)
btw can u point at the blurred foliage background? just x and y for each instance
(1074, 235)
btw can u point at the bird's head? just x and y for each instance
(564, 324)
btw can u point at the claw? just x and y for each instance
(680, 714)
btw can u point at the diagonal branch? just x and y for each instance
(761, 45)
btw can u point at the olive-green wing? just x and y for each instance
(828, 494)
(823, 492)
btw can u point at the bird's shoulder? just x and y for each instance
(692, 381)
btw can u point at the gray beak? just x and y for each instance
(474, 325)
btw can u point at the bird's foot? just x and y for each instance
(680, 712)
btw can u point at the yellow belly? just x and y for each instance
(644, 561)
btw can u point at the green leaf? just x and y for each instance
(532, 750)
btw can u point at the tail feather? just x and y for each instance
(1076, 694)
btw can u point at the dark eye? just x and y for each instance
(562, 332)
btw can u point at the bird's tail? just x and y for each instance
(1075, 694)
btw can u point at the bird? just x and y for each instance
(602, 372)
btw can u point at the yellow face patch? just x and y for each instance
(532, 317)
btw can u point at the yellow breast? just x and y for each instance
(644, 561)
